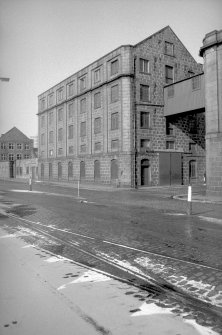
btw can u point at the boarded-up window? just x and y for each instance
(96, 169)
(114, 169)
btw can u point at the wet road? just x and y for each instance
(138, 237)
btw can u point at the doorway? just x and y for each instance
(145, 172)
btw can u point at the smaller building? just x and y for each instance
(17, 155)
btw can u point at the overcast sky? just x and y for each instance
(44, 41)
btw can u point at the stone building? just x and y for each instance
(15, 147)
(106, 122)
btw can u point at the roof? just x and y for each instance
(13, 135)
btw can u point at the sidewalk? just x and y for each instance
(45, 294)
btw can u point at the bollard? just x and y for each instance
(30, 183)
(189, 200)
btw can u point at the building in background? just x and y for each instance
(106, 123)
(18, 158)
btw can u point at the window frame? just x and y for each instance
(144, 116)
(169, 79)
(114, 67)
(144, 97)
(114, 120)
(114, 93)
(144, 65)
(169, 48)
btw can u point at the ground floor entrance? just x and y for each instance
(170, 168)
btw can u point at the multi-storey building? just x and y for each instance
(14, 147)
(106, 122)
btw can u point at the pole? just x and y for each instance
(189, 200)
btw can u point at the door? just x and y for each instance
(145, 172)
(170, 168)
(50, 170)
(11, 169)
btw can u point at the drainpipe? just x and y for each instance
(134, 125)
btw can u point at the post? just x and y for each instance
(189, 200)
(78, 188)
(30, 183)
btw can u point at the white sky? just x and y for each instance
(44, 41)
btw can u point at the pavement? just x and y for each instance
(41, 293)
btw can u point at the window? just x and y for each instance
(193, 124)
(60, 151)
(145, 144)
(83, 148)
(169, 48)
(83, 105)
(60, 94)
(70, 132)
(97, 125)
(114, 144)
(19, 156)
(19, 146)
(27, 156)
(192, 147)
(83, 129)
(196, 83)
(42, 104)
(27, 169)
(42, 171)
(42, 139)
(82, 82)
(144, 120)
(170, 91)
(11, 157)
(50, 99)
(43, 121)
(168, 74)
(26, 146)
(97, 100)
(11, 146)
(60, 114)
(115, 93)
(50, 118)
(144, 65)
(70, 89)
(144, 93)
(97, 76)
(3, 146)
(97, 146)
(114, 67)
(51, 136)
(193, 169)
(60, 134)
(170, 145)
(50, 153)
(70, 111)
(82, 170)
(169, 128)
(71, 149)
(114, 121)
(3, 157)
(97, 169)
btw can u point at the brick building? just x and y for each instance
(14, 146)
(106, 122)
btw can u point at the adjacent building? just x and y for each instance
(106, 123)
(16, 155)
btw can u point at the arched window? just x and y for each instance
(114, 169)
(97, 169)
(70, 170)
(82, 170)
(42, 171)
(59, 170)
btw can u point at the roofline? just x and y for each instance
(97, 60)
(147, 38)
